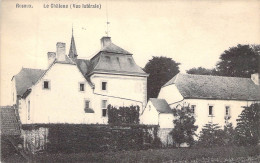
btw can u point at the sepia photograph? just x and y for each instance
(130, 81)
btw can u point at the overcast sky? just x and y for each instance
(193, 33)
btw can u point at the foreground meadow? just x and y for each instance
(216, 154)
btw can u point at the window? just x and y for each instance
(210, 110)
(81, 87)
(104, 86)
(87, 104)
(193, 107)
(227, 110)
(46, 85)
(104, 108)
(104, 112)
(29, 103)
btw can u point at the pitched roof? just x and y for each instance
(112, 48)
(215, 87)
(9, 121)
(26, 78)
(73, 51)
(161, 105)
(115, 63)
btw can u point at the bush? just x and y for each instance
(248, 126)
(123, 115)
(77, 138)
(211, 135)
(184, 128)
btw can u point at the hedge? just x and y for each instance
(76, 138)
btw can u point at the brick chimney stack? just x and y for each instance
(255, 78)
(61, 51)
(105, 41)
(51, 57)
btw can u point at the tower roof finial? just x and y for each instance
(73, 52)
(72, 29)
(107, 31)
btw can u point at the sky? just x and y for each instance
(193, 33)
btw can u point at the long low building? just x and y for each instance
(213, 99)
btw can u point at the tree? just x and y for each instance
(211, 135)
(248, 125)
(123, 115)
(239, 61)
(201, 71)
(184, 128)
(160, 70)
(230, 134)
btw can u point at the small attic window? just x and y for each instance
(107, 58)
(130, 60)
(46, 84)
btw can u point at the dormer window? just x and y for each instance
(46, 84)
(104, 86)
(81, 87)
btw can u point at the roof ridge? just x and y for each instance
(214, 76)
(32, 68)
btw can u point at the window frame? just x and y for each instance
(84, 87)
(106, 86)
(193, 109)
(49, 84)
(229, 108)
(104, 108)
(212, 110)
(87, 100)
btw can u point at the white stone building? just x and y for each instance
(213, 98)
(73, 90)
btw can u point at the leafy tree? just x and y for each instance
(211, 135)
(161, 70)
(184, 128)
(230, 134)
(248, 125)
(123, 115)
(201, 71)
(239, 61)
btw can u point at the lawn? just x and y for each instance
(217, 154)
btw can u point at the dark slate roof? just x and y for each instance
(9, 121)
(66, 61)
(112, 48)
(84, 67)
(110, 59)
(26, 78)
(215, 87)
(117, 64)
(161, 105)
(72, 51)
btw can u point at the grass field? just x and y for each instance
(218, 154)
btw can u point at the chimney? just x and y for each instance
(51, 57)
(255, 78)
(61, 51)
(105, 41)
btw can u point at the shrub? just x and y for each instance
(184, 128)
(211, 135)
(248, 126)
(77, 138)
(123, 115)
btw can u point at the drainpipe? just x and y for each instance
(117, 97)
